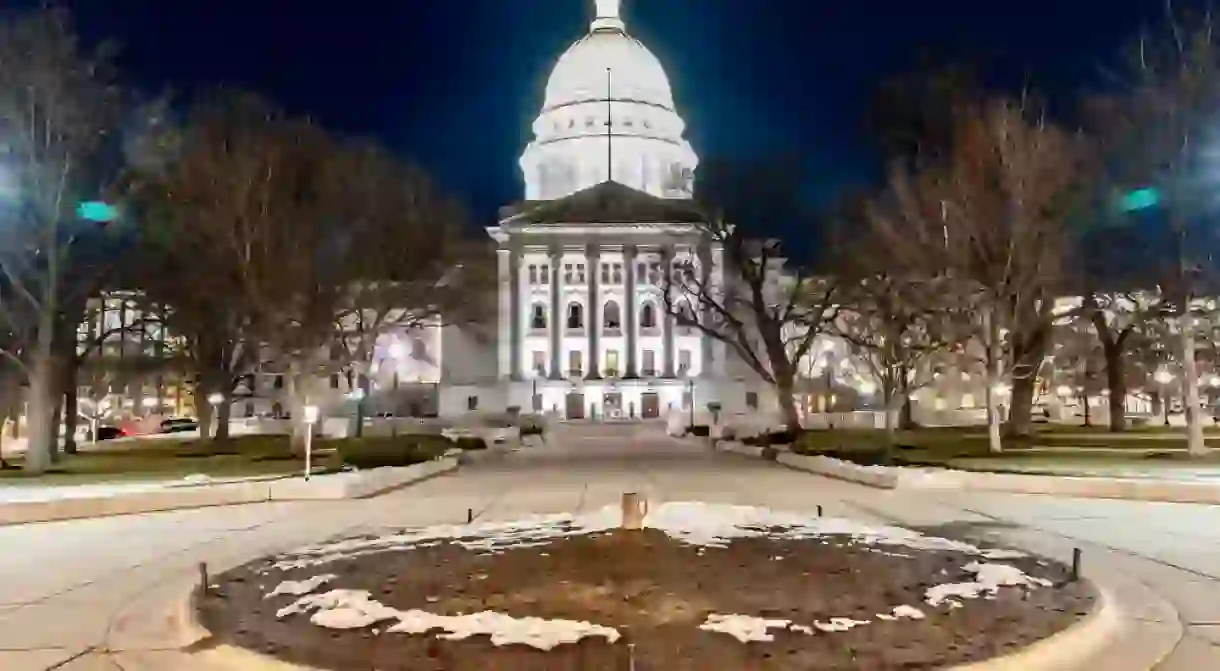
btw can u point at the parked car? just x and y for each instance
(179, 424)
(110, 433)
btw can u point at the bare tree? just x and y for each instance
(58, 111)
(899, 326)
(1159, 134)
(990, 218)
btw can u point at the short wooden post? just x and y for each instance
(635, 507)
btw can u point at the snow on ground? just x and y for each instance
(989, 578)
(699, 524)
(353, 609)
(695, 523)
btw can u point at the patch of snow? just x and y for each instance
(299, 587)
(909, 612)
(353, 609)
(839, 624)
(989, 578)
(197, 479)
(745, 628)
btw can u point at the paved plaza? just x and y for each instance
(93, 594)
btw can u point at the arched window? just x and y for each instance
(576, 316)
(611, 317)
(538, 318)
(648, 316)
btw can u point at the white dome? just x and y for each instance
(608, 115)
(633, 72)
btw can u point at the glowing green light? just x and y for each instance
(96, 210)
(1140, 199)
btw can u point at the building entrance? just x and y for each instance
(650, 404)
(575, 405)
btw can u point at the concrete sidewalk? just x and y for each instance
(97, 594)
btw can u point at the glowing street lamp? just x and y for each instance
(1163, 378)
(1063, 391)
(867, 388)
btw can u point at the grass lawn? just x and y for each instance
(939, 446)
(239, 456)
(166, 460)
(1177, 467)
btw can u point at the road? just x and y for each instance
(83, 595)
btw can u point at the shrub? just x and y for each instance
(379, 451)
(532, 425)
(701, 431)
(782, 437)
(470, 443)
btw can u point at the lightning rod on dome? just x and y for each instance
(609, 130)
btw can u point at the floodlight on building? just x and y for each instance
(149, 402)
(1063, 390)
(216, 398)
(1001, 388)
(356, 394)
(1163, 376)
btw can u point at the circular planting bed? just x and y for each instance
(701, 587)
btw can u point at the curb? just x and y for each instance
(227, 494)
(942, 480)
(1071, 649)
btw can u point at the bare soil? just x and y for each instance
(656, 592)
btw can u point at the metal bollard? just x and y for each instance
(469, 515)
(203, 579)
(1075, 564)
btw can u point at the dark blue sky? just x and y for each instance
(454, 84)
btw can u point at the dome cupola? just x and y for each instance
(608, 114)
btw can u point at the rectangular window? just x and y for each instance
(567, 273)
(533, 274)
(575, 362)
(605, 273)
(472, 402)
(279, 382)
(640, 275)
(650, 363)
(618, 274)
(580, 272)
(683, 361)
(334, 381)
(752, 400)
(654, 274)
(612, 363)
(546, 274)
(540, 363)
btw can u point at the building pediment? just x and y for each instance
(605, 203)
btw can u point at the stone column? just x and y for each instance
(631, 323)
(667, 332)
(556, 322)
(514, 310)
(593, 315)
(707, 361)
(504, 308)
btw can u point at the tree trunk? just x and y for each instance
(71, 407)
(1084, 399)
(41, 402)
(57, 423)
(993, 377)
(1116, 382)
(906, 414)
(787, 402)
(1190, 383)
(1020, 414)
(223, 413)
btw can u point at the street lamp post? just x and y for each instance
(214, 400)
(690, 395)
(396, 354)
(357, 395)
(311, 418)
(1163, 378)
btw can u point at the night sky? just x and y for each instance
(455, 84)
